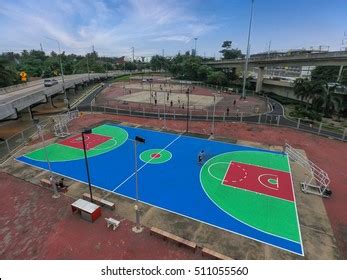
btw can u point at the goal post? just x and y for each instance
(316, 180)
(61, 121)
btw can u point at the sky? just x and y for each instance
(170, 26)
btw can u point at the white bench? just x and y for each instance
(100, 201)
(112, 222)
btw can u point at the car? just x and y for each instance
(50, 82)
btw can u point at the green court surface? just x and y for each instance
(270, 213)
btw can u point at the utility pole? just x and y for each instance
(195, 39)
(133, 53)
(41, 47)
(66, 100)
(247, 55)
(187, 92)
(269, 49)
(88, 67)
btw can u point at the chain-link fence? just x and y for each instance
(10, 145)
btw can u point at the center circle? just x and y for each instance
(155, 156)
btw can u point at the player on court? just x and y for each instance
(201, 156)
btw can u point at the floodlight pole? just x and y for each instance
(164, 110)
(66, 100)
(214, 112)
(187, 92)
(87, 131)
(52, 180)
(247, 54)
(88, 67)
(138, 227)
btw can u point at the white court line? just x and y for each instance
(127, 179)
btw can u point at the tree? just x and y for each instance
(302, 89)
(228, 52)
(158, 62)
(203, 72)
(226, 44)
(7, 76)
(329, 74)
(217, 77)
(326, 99)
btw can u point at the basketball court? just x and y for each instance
(240, 189)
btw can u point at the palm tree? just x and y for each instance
(325, 98)
(303, 90)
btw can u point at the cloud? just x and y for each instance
(177, 38)
(112, 26)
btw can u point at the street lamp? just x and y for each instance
(66, 100)
(195, 39)
(187, 92)
(247, 54)
(87, 131)
(214, 112)
(138, 227)
(52, 180)
(165, 110)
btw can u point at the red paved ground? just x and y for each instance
(35, 226)
(108, 97)
(329, 154)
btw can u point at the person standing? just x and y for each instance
(201, 156)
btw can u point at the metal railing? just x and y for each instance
(9, 146)
(220, 116)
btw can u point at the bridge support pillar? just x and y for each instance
(30, 113)
(340, 73)
(260, 77)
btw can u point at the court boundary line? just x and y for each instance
(180, 214)
(213, 225)
(244, 222)
(146, 163)
(296, 209)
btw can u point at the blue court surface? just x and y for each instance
(171, 178)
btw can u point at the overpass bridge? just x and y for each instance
(16, 98)
(338, 58)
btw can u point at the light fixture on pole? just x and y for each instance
(137, 228)
(164, 110)
(187, 92)
(66, 100)
(195, 39)
(247, 55)
(87, 131)
(51, 179)
(214, 112)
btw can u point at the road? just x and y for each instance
(34, 87)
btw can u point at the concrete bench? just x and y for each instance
(45, 183)
(112, 222)
(214, 254)
(172, 237)
(100, 201)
